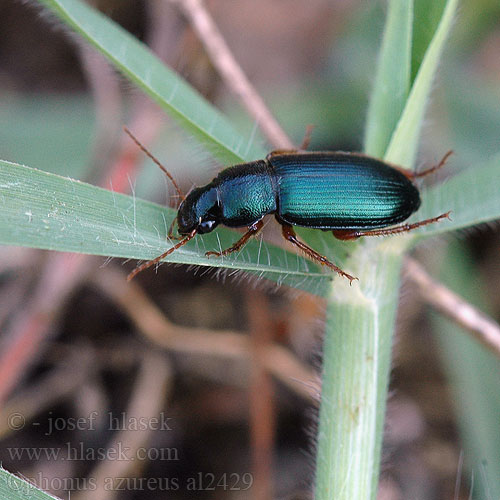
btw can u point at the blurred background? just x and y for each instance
(209, 384)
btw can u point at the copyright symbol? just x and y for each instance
(16, 421)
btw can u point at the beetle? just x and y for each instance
(350, 194)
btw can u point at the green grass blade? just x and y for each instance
(144, 69)
(43, 210)
(473, 196)
(392, 82)
(474, 375)
(14, 488)
(428, 13)
(404, 142)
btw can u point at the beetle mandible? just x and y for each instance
(350, 194)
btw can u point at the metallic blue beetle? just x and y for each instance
(350, 194)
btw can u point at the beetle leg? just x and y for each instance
(253, 229)
(307, 137)
(150, 263)
(433, 169)
(290, 235)
(303, 147)
(348, 234)
(416, 175)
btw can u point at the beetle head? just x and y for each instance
(200, 211)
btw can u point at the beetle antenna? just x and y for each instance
(150, 263)
(150, 155)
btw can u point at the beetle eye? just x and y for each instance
(206, 226)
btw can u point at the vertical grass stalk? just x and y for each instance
(356, 365)
(361, 318)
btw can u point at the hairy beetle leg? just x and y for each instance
(303, 146)
(290, 235)
(307, 137)
(252, 230)
(424, 173)
(347, 234)
(431, 170)
(150, 263)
